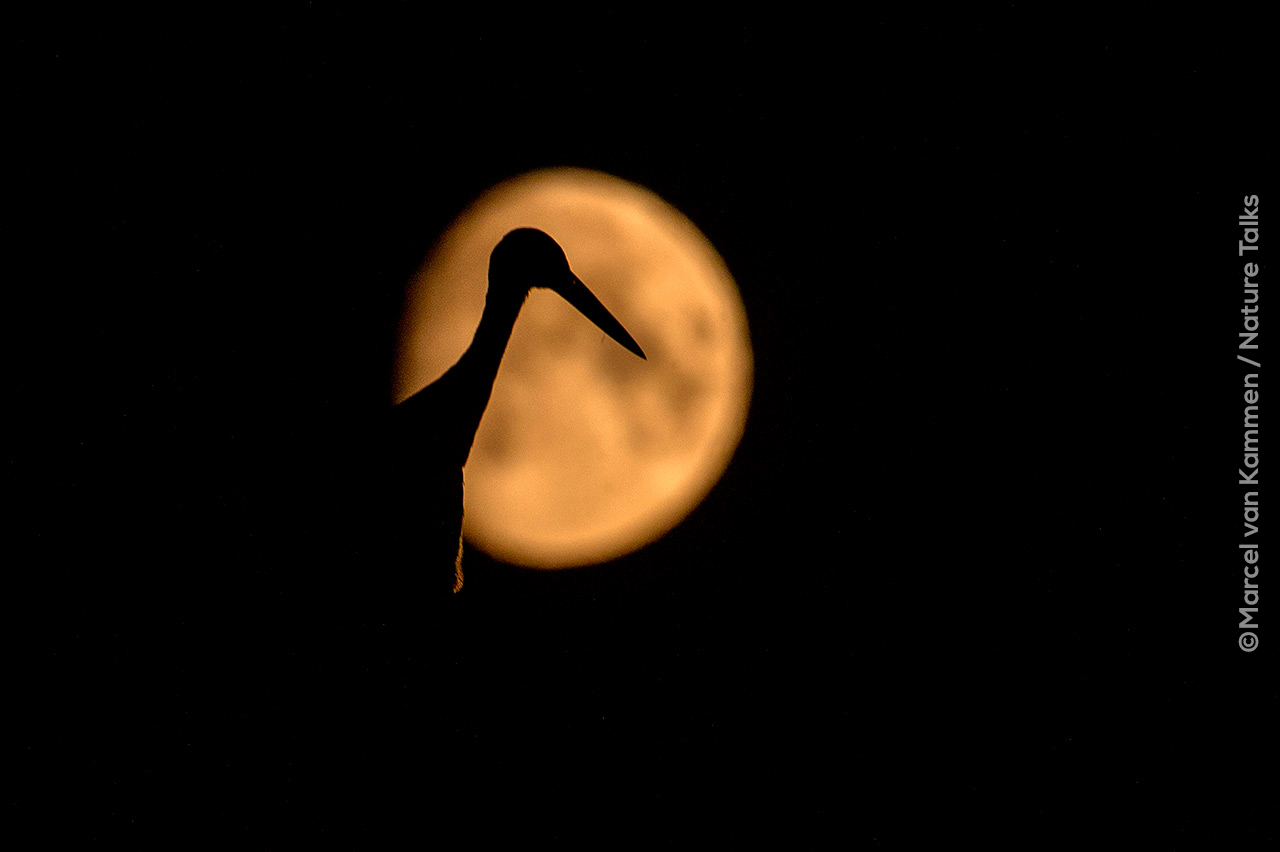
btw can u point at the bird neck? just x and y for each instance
(483, 357)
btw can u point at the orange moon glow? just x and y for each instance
(587, 452)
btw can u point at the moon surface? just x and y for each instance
(587, 452)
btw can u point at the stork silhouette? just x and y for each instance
(433, 430)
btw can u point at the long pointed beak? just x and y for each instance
(577, 294)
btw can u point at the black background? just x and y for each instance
(973, 569)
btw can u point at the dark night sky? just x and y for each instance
(973, 569)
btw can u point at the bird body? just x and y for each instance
(432, 431)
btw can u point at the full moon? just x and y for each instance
(587, 452)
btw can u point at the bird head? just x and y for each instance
(527, 258)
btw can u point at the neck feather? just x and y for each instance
(479, 365)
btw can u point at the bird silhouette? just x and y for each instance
(432, 431)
